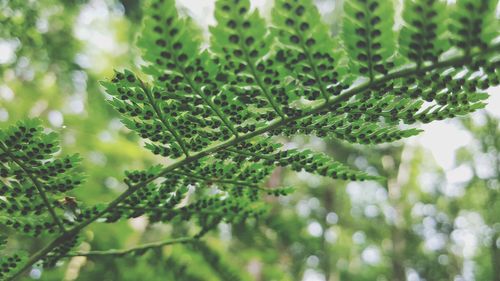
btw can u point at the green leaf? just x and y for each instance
(307, 50)
(474, 24)
(242, 42)
(36, 181)
(368, 35)
(423, 35)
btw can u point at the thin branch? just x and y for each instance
(140, 248)
(39, 187)
(345, 95)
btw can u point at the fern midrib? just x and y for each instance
(313, 66)
(250, 64)
(205, 99)
(424, 32)
(39, 187)
(116, 252)
(368, 38)
(210, 104)
(164, 121)
(457, 61)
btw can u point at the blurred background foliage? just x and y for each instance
(431, 221)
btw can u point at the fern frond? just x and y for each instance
(60, 251)
(34, 181)
(167, 201)
(307, 160)
(228, 100)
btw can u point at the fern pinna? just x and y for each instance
(215, 111)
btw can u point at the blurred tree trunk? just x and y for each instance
(394, 169)
(495, 257)
(494, 249)
(328, 205)
(398, 270)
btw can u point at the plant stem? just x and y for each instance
(140, 248)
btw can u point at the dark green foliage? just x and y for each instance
(422, 38)
(34, 183)
(474, 24)
(59, 252)
(368, 35)
(9, 263)
(216, 111)
(179, 271)
(223, 270)
(34, 180)
(248, 84)
(241, 41)
(307, 51)
(162, 202)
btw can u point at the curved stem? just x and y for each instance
(140, 248)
